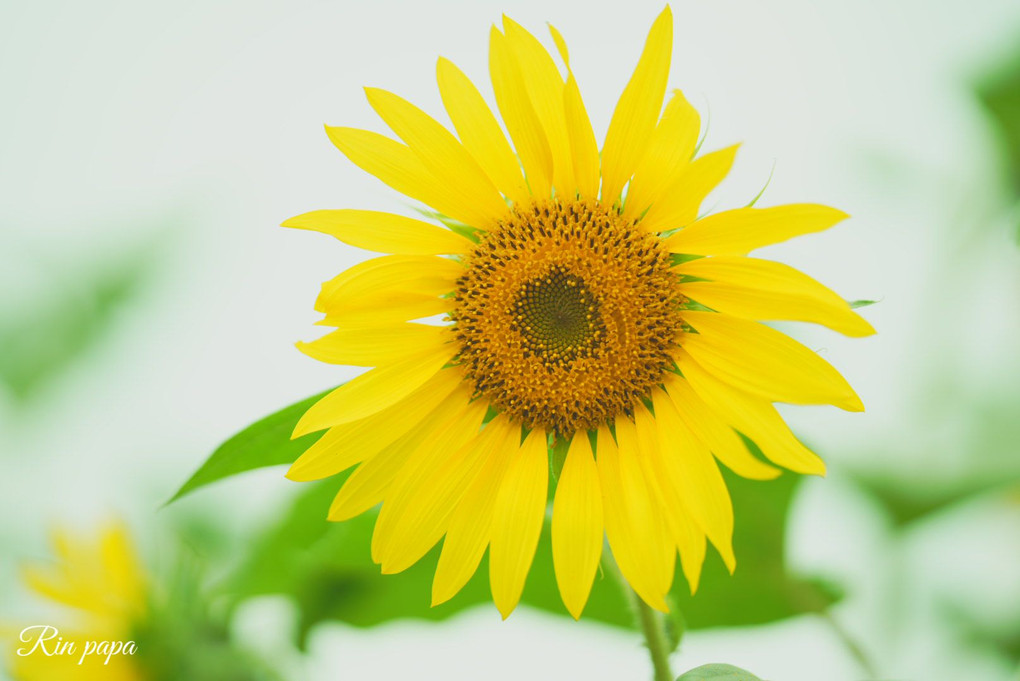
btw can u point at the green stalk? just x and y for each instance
(651, 622)
(653, 627)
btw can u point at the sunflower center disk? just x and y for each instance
(566, 315)
(558, 317)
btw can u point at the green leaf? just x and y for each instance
(718, 672)
(992, 467)
(854, 304)
(264, 443)
(999, 93)
(326, 569)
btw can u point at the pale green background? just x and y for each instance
(187, 131)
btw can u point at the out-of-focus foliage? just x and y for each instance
(184, 637)
(327, 569)
(992, 464)
(718, 672)
(39, 342)
(102, 591)
(1000, 95)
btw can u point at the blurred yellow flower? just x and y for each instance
(103, 582)
(587, 311)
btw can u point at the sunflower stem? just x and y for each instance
(653, 626)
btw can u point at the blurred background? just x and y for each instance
(149, 151)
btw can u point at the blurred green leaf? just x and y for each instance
(760, 590)
(327, 570)
(999, 93)
(854, 304)
(718, 672)
(264, 443)
(992, 431)
(908, 501)
(44, 340)
(182, 636)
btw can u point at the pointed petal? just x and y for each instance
(517, 521)
(351, 443)
(736, 232)
(765, 362)
(399, 167)
(374, 390)
(522, 122)
(427, 489)
(440, 152)
(561, 44)
(387, 289)
(761, 289)
(634, 118)
(668, 154)
(678, 205)
(688, 467)
(752, 416)
(382, 232)
(372, 481)
(375, 345)
(471, 523)
(687, 535)
(544, 85)
(717, 435)
(577, 525)
(584, 150)
(639, 535)
(479, 131)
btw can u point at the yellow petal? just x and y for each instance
(584, 150)
(561, 44)
(479, 131)
(760, 289)
(444, 156)
(382, 232)
(577, 525)
(375, 345)
(544, 85)
(637, 532)
(765, 362)
(122, 570)
(633, 122)
(387, 289)
(373, 391)
(372, 480)
(350, 444)
(517, 521)
(427, 489)
(687, 535)
(669, 153)
(678, 204)
(687, 467)
(471, 523)
(421, 274)
(399, 167)
(736, 232)
(754, 417)
(720, 438)
(522, 122)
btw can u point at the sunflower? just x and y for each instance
(103, 581)
(583, 329)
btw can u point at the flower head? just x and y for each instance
(104, 585)
(586, 308)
